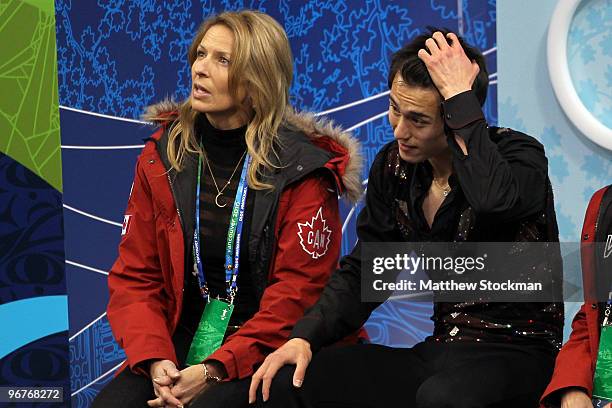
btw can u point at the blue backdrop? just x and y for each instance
(116, 57)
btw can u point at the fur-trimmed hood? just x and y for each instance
(307, 123)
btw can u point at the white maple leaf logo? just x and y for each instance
(608, 247)
(315, 235)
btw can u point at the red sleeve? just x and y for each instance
(573, 365)
(308, 237)
(137, 303)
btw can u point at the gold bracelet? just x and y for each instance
(208, 377)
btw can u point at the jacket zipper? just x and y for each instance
(178, 211)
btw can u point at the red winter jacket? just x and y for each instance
(294, 258)
(575, 364)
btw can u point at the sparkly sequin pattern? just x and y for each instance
(533, 323)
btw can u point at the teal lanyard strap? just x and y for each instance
(234, 234)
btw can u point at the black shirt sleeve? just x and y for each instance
(340, 311)
(503, 174)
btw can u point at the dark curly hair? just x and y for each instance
(414, 71)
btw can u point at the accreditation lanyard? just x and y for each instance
(234, 234)
(602, 380)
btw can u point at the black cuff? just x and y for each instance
(461, 110)
(311, 330)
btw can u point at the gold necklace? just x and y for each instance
(445, 189)
(220, 192)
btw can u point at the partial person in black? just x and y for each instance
(448, 176)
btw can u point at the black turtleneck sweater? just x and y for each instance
(225, 150)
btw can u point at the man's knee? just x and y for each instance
(282, 390)
(444, 394)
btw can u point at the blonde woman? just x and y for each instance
(232, 226)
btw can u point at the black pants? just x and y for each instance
(132, 390)
(129, 390)
(370, 376)
(429, 375)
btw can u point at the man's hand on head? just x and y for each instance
(450, 69)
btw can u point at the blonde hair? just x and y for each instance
(262, 63)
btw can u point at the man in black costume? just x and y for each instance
(447, 176)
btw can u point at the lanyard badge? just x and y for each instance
(211, 331)
(216, 316)
(602, 381)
